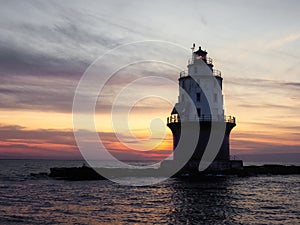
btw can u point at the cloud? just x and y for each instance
(264, 105)
(277, 126)
(64, 39)
(269, 97)
(279, 158)
(263, 83)
(34, 36)
(46, 47)
(56, 94)
(256, 146)
(50, 92)
(293, 84)
(16, 59)
(36, 94)
(21, 142)
(284, 40)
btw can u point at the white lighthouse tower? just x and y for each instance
(200, 102)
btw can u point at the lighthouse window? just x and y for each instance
(198, 97)
(215, 98)
(199, 112)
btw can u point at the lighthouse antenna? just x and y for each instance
(193, 48)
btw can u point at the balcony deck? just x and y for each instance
(184, 73)
(204, 118)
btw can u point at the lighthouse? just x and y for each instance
(200, 104)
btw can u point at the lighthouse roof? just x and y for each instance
(200, 52)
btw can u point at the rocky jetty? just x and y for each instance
(88, 173)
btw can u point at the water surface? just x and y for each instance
(232, 200)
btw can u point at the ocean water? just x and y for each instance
(232, 200)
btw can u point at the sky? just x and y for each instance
(47, 46)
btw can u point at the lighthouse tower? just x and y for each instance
(200, 102)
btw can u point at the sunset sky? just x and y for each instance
(46, 46)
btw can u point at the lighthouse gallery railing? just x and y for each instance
(216, 73)
(228, 119)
